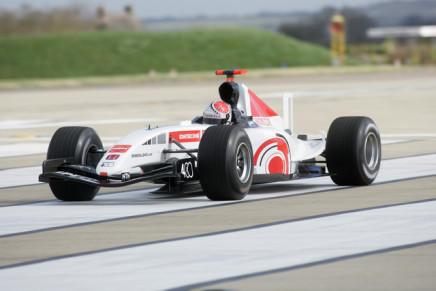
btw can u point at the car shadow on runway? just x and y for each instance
(146, 197)
(291, 188)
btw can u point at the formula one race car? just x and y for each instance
(238, 141)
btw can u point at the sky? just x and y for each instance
(192, 8)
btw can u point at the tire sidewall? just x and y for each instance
(237, 138)
(367, 173)
(88, 140)
(217, 159)
(346, 153)
(74, 142)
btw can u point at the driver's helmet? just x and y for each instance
(217, 112)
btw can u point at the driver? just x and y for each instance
(217, 112)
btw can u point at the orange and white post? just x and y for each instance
(337, 39)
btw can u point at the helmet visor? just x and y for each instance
(214, 120)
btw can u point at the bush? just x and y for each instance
(32, 21)
(119, 53)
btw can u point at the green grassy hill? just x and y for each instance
(121, 53)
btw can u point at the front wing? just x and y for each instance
(181, 170)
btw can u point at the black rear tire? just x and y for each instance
(353, 151)
(74, 142)
(225, 162)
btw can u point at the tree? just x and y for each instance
(357, 23)
(29, 20)
(315, 28)
(417, 20)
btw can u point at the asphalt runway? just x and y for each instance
(301, 235)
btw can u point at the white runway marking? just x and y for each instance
(393, 141)
(45, 139)
(33, 145)
(22, 218)
(20, 124)
(33, 148)
(22, 149)
(408, 135)
(21, 177)
(202, 259)
(350, 91)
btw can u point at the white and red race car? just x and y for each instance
(238, 141)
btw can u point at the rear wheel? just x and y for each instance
(75, 142)
(353, 151)
(225, 162)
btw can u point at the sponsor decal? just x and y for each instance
(190, 136)
(141, 155)
(112, 157)
(273, 155)
(125, 177)
(186, 136)
(212, 116)
(107, 164)
(262, 121)
(187, 170)
(122, 148)
(221, 107)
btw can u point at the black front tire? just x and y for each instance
(353, 151)
(225, 162)
(75, 142)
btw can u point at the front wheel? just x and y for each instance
(225, 162)
(353, 151)
(76, 142)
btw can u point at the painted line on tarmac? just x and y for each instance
(36, 148)
(46, 139)
(385, 137)
(145, 188)
(238, 253)
(38, 123)
(408, 135)
(30, 218)
(350, 91)
(302, 266)
(214, 233)
(27, 146)
(22, 149)
(20, 177)
(26, 176)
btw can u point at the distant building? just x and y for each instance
(126, 21)
(402, 32)
(410, 33)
